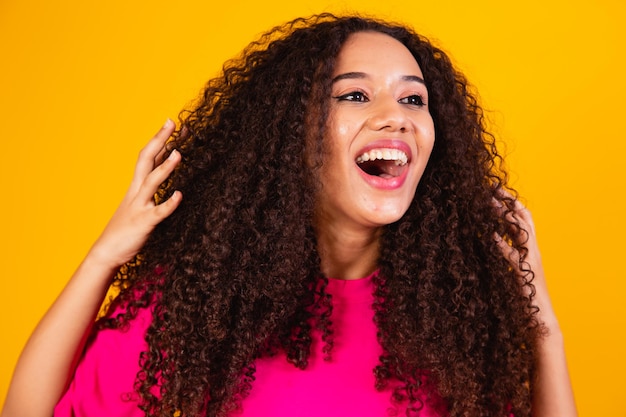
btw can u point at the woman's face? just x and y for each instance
(380, 134)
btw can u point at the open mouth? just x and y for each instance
(383, 162)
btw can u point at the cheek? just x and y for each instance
(339, 129)
(427, 133)
(341, 126)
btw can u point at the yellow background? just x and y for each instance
(84, 84)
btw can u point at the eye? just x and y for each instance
(357, 96)
(415, 100)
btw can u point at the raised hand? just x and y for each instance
(137, 215)
(552, 391)
(526, 236)
(49, 357)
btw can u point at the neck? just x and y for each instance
(348, 254)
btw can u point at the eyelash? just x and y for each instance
(413, 99)
(351, 96)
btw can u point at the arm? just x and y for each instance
(551, 390)
(49, 357)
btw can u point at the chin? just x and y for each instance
(389, 215)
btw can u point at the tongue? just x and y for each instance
(381, 168)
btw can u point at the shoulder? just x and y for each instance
(103, 383)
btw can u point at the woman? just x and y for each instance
(345, 247)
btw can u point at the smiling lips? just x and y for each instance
(384, 166)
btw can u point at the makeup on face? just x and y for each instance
(380, 133)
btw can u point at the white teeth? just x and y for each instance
(385, 154)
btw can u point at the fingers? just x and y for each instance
(167, 207)
(518, 243)
(509, 252)
(137, 215)
(150, 172)
(158, 175)
(152, 153)
(517, 226)
(516, 214)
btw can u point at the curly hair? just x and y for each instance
(234, 273)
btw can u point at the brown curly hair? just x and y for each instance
(234, 273)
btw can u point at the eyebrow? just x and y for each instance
(358, 75)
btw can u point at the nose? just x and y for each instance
(388, 114)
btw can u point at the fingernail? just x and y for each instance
(167, 123)
(172, 154)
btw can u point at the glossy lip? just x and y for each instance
(386, 183)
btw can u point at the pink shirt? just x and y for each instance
(344, 386)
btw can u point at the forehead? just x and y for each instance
(374, 52)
